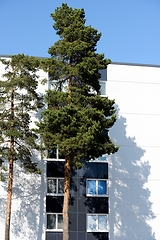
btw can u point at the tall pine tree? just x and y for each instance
(77, 121)
(18, 97)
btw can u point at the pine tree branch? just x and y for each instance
(4, 141)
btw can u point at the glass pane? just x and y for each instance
(51, 185)
(103, 73)
(51, 221)
(60, 221)
(91, 187)
(103, 88)
(102, 222)
(102, 158)
(102, 187)
(52, 153)
(91, 222)
(60, 185)
(60, 156)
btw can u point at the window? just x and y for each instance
(96, 223)
(60, 85)
(103, 87)
(54, 154)
(55, 185)
(54, 221)
(102, 158)
(103, 73)
(96, 187)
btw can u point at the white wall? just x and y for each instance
(134, 169)
(29, 190)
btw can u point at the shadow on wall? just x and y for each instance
(27, 217)
(130, 208)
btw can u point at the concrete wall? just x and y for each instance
(134, 170)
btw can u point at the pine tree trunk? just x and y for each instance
(67, 173)
(9, 200)
(10, 177)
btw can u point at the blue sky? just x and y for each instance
(130, 28)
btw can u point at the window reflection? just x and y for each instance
(103, 87)
(96, 222)
(51, 221)
(60, 221)
(91, 187)
(51, 186)
(60, 185)
(91, 222)
(96, 187)
(102, 187)
(102, 222)
(54, 221)
(55, 185)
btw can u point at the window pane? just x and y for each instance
(102, 158)
(91, 222)
(51, 221)
(60, 221)
(102, 187)
(60, 156)
(52, 153)
(51, 185)
(103, 73)
(91, 187)
(102, 223)
(103, 88)
(60, 185)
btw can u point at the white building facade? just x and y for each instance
(134, 179)
(134, 170)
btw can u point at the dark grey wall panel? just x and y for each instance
(82, 236)
(73, 236)
(97, 204)
(55, 169)
(54, 204)
(97, 236)
(73, 222)
(81, 222)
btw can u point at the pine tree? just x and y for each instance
(18, 97)
(76, 120)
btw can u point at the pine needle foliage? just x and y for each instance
(78, 123)
(18, 97)
(76, 120)
(18, 87)
(75, 52)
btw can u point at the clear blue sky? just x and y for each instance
(130, 28)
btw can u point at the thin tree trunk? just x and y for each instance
(67, 173)
(10, 177)
(9, 201)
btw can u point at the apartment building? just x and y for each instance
(115, 197)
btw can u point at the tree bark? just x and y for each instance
(9, 200)
(10, 177)
(67, 173)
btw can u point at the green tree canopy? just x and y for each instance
(18, 97)
(78, 124)
(76, 120)
(75, 53)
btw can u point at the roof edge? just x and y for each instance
(136, 64)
